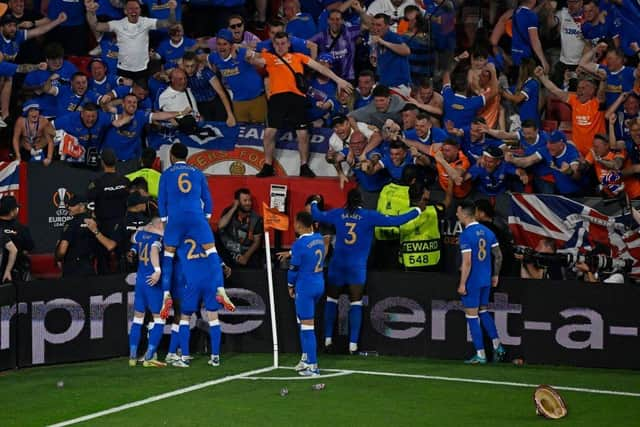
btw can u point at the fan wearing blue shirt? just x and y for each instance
(298, 45)
(620, 78)
(72, 32)
(390, 54)
(526, 93)
(71, 98)
(459, 108)
(348, 265)
(491, 177)
(423, 135)
(101, 82)
(473, 139)
(481, 264)
(173, 48)
(525, 41)
(394, 161)
(306, 286)
(299, 24)
(125, 136)
(89, 126)
(564, 161)
(12, 38)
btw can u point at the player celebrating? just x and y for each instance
(185, 204)
(148, 241)
(204, 279)
(348, 266)
(306, 286)
(480, 253)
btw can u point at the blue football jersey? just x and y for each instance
(196, 267)
(307, 261)
(479, 240)
(145, 241)
(183, 190)
(354, 230)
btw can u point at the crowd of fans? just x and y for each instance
(482, 97)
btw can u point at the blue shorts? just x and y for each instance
(476, 297)
(341, 274)
(306, 300)
(204, 292)
(148, 297)
(191, 224)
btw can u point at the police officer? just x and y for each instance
(137, 216)
(109, 194)
(79, 240)
(19, 235)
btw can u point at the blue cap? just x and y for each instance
(326, 57)
(557, 136)
(225, 34)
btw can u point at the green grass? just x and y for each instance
(31, 397)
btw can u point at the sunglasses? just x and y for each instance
(234, 26)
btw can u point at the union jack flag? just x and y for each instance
(9, 178)
(575, 227)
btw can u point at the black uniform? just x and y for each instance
(21, 237)
(81, 253)
(109, 194)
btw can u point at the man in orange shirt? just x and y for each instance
(451, 163)
(287, 104)
(587, 108)
(607, 165)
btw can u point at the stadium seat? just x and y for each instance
(549, 125)
(81, 62)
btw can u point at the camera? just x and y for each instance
(596, 262)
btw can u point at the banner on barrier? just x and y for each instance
(8, 312)
(419, 315)
(246, 157)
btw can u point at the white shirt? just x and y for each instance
(571, 40)
(133, 42)
(173, 100)
(337, 144)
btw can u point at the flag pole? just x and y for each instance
(272, 304)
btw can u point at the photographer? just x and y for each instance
(540, 263)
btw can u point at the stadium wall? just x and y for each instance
(405, 314)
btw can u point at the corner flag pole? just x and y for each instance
(272, 303)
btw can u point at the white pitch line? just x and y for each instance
(478, 381)
(162, 396)
(336, 374)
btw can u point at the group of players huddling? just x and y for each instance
(191, 274)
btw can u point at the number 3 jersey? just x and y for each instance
(478, 239)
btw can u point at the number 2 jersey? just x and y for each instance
(479, 240)
(306, 264)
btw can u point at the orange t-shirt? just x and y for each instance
(491, 112)
(459, 191)
(587, 120)
(601, 171)
(281, 78)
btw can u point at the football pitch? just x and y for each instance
(359, 391)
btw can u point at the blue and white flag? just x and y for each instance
(9, 178)
(211, 136)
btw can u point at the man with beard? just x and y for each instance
(241, 230)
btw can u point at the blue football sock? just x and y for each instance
(185, 333)
(476, 332)
(355, 321)
(330, 314)
(309, 343)
(167, 270)
(154, 337)
(215, 333)
(488, 324)
(175, 339)
(134, 337)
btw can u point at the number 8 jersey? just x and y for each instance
(479, 240)
(184, 202)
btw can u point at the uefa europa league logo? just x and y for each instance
(61, 193)
(60, 199)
